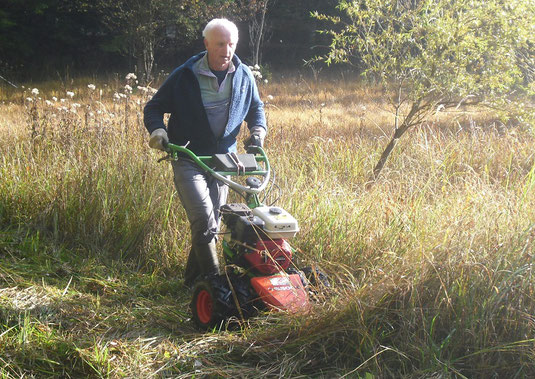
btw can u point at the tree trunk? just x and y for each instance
(256, 33)
(148, 60)
(386, 153)
(408, 121)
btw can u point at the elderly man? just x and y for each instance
(208, 98)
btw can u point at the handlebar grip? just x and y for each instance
(252, 149)
(256, 140)
(253, 143)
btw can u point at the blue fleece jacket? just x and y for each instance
(180, 95)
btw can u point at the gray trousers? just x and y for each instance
(201, 196)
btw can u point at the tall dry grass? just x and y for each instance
(431, 266)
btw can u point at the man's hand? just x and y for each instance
(158, 139)
(258, 134)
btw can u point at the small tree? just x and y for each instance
(257, 31)
(436, 54)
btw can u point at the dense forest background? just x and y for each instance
(41, 39)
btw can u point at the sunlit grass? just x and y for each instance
(431, 266)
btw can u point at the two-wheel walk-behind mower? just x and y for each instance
(259, 268)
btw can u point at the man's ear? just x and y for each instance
(206, 43)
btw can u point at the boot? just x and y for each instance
(207, 261)
(192, 269)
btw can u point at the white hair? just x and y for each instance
(221, 23)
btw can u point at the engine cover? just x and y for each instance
(270, 256)
(278, 222)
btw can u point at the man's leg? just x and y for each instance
(201, 196)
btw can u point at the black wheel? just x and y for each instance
(212, 302)
(245, 295)
(317, 278)
(215, 301)
(302, 276)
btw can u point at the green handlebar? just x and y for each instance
(175, 151)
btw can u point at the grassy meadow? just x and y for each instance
(431, 267)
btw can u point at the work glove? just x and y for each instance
(258, 133)
(158, 139)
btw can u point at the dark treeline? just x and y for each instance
(41, 39)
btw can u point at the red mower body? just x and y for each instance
(282, 292)
(270, 256)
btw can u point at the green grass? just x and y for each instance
(431, 266)
(66, 312)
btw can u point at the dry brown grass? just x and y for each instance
(431, 267)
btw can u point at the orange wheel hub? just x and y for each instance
(204, 306)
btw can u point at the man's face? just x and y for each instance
(220, 45)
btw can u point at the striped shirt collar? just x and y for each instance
(204, 69)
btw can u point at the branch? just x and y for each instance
(1, 77)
